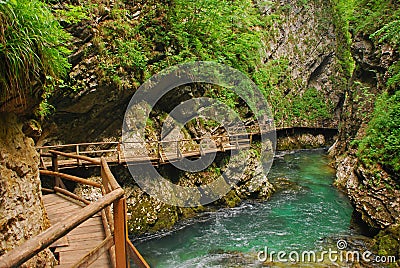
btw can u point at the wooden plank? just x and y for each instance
(62, 242)
(60, 201)
(84, 237)
(93, 255)
(71, 259)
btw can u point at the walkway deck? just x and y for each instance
(80, 240)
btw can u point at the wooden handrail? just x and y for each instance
(69, 194)
(74, 156)
(70, 177)
(20, 254)
(74, 144)
(107, 172)
(116, 242)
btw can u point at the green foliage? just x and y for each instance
(372, 15)
(223, 31)
(381, 144)
(312, 106)
(290, 108)
(342, 15)
(390, 33)
(394, 72)
(169, 33)
(75, 14)
(31, 47)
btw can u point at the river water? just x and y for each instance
(304, 212)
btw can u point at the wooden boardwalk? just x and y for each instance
(82, 233)
(156, 152)
(80, 240)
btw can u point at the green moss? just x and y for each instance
(231, 199)
(387, 242)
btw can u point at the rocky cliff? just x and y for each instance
(379, 204)
(22, 214)
(373, 188)
(299, 48)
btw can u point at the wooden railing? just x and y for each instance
(112, 206)
(154, 149)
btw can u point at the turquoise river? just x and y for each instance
(305, 211)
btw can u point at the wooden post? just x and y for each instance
(237, 142)
(119, 153)
(120, 233)
(159, 151)
(54, 163)
(201, 149)
(77, 153)
(178, 151)
(104, 179)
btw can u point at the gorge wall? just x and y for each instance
(299, 56)
(373, 186)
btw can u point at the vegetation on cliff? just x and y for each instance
(380, 20)
(132, 41)
(32, 53)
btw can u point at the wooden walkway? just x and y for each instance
(80, 240)
(82, 233)
(155, 151)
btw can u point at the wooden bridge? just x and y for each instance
(154, 150)
(82, 233)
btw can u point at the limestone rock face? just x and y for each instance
(22, 213)
(308, 40)
(378, 204)
(375, 194)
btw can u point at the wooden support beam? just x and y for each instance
(46, 190)
(70, 177)
(120, 233)
(77, 153)
(107, 231)
(107, 172)
(54, 163)
(135, 255)
(21, 254)
(119, 153)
